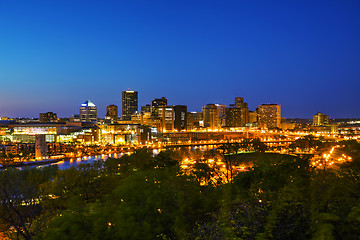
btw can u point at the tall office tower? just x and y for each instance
(88, 112)
(239, 103)
(48, 117)
(194, 120)
(112, 113)
(211, 119)
(233, 116)
(221, 114)
(156, 104)
(320, 119)
(269, 115)
(167, 118)
(129, 104)
(180, 117)
(190, 121)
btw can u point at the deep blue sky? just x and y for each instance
(304, 55)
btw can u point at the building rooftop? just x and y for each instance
(88, 103)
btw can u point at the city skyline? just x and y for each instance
(304, 56)
(102, 110)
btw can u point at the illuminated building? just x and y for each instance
(221, 114)
(237, 115)
(75, 118)
(156, 104)
(233, 117)
(40, 146)
(129, 104)
(141, 118)
(252, 116)
(48, 117)
(287, 126)
(146, 108)
(269, 116)
(112, 113)
(190, 121)
(180, 117)
(167, 118)
(120, 133)
(320, 119)
(88, 112)
(239, 103)
(211, 119)
(194, 120)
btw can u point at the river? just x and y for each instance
(65, 164)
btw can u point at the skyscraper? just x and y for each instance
(180, 117)
(211, 119)
(88, 112)
(233, 116)
(239, 103)
(111, 113)
(221, 114)
(129, 104)
(269, 115)
(156, 104)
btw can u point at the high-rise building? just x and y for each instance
(237, 115)
(129, 104)
(194, 120)
(211, 119)
(88, 112)
(167, 118)
(320, 119)
(156, 104)
(180, 117)
(269, 116)
(233, 117)
(48, 117)
(221, 114)
(239, 102)
(112, 113)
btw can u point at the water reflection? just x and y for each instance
(75, 162)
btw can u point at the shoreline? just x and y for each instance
(32, 163)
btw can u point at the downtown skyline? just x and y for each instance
(302, 55)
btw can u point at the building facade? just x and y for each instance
(88, 112)
(180, 112)
(320, 119)
(211, 119)
(48, 117)
(269, 115)
(233, 117)
(112, 113)
(156, 104)
(129, 104)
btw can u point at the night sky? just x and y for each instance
(304, 55)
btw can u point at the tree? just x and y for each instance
(228, 150)
(258, 145)
(20, 198)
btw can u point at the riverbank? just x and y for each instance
(33, 163)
